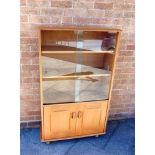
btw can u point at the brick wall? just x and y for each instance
(105, 13)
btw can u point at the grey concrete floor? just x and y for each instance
(119, 140)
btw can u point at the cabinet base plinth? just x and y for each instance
(68, 138)
(48, 142)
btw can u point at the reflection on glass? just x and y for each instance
(77, 41)
(76, 76)
(59, 40)
(95, 69)
(58, 64)
(98, 41)
(94, 88)
(58, 91)
(96, 63)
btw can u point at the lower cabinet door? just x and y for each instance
(91, 118)
(59, 121)
(73, 120)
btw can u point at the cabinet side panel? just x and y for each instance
(113, 72)
(41, 91)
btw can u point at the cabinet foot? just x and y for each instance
(97, 136)
(47, 142)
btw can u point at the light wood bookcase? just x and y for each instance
(77, 66)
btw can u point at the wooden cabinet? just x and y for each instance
(77, 66)
(91, 118)
(70, 120)
(59, 121)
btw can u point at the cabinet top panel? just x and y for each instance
(88, 28)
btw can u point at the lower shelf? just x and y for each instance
(76, 90)
(67, 121)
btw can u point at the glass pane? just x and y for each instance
(59, 64)
(57, 40)
(94, 63)
(94, 88)
(58, 91)
(98, 41)
(96, 72)
(94, 68)
(76, 74)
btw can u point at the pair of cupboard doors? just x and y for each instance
(74, 120)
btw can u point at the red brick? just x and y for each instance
(129, 14)
(35, 61)
(114, 14)
(30, 67)
(28, 27)
(126, 53)
(79, 20)
(130, 1)
(83, 4)
(37, 3)
(24, 48)
(27, 97)
(34, 113)
(28, 40)
(29, 10)
(96, 13)
(24, 74)
(61, 3)
(35, 73)
(121, 21)
(34, 48)
(27, 118)
(34, 10)
(51, 12)
(30, 54)
(23, 19)
(76, 13)
(127, 70)
(101, 21)
(122, 76)
(130, 47)
(30, 80)
(22, 2)
(38, 117)
(26, 91)
(28, 34)
(106, 6)
(23, 10)
(25, 61)
(39, 19)
(66, 20)
(55, 20)
(26, 86)
(36, 85)
(126, 7)
(129, 59)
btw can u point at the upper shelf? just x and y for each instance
(67, 49)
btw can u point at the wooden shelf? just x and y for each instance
(47, 50)
(74, 77)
